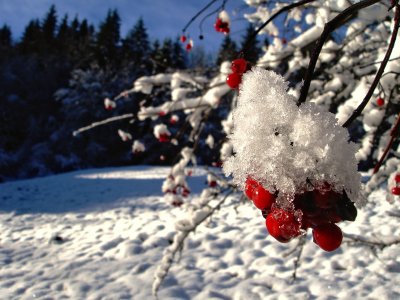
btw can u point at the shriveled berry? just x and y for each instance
(239, 66)
(233, 80)
(396, 191)
(328, 236)
(250, 186)
(262, 198)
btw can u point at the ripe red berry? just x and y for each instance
(396, 191)
(283, 225)
(221, 26)
(212, 183)
(262, 198)
(188, 47)
(183, 38)
(327, 236)
(284, 41)
(397, 178)
(273, 228)
(380, 101)
(163, 138)
(233, 80)
(325, 199)
(250, 186)
(239, 66)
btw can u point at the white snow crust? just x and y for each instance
(283, 146)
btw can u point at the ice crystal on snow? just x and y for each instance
(286, 147)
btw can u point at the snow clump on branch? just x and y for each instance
(288, 148)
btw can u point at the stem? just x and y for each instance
(198, 14)
(283, 9)
(332, 25)
(360, 108)
(393, 133)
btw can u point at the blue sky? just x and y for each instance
(163, 18)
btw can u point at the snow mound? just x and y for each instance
(286, 147)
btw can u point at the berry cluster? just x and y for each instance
(174, 189)
(396, 189)
(189, 44)
(239, 66)
(318, 209)
(222, 24)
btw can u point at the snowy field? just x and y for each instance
(100, 234)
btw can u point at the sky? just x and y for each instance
(163, 18)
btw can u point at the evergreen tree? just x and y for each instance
(136, 46)
(5, 37)
(178, 60)
(251, 45)
(156, 58)
(32, 37)
(108, 39)
(228, 50)
(49, 26)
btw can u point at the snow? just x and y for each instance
(284, 147)
(114, 229)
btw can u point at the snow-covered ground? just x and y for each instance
(112, 227)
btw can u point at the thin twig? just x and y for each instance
(332, 25)
(393, 133)
(363, 104)
(282, 10)
(198, 14)
(103, 122)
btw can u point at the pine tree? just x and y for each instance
(108, 39)
(5, 37)
(156, 58)
(228, 50)
(49, 25)
(250, 44)
(136, 46)
(178, 60)
(32, 37)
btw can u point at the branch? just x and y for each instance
(283, 9)
(179, 239)
(103, 122)
(360, 108)
(393, 133)
(198, 14)
(332, 25)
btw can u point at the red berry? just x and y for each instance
(163, 138)
(325, 199)
(380, 101)
(162, 113)
(273, 228)
(251, 185)
(327, 236)
(396, 191)
(397, 178)
(262, 198)
(188, 47)
(283, 225)
(233, 80)
(221, 26)
(239, 66)
(284, 41)
(212, 183)
(183, 38)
